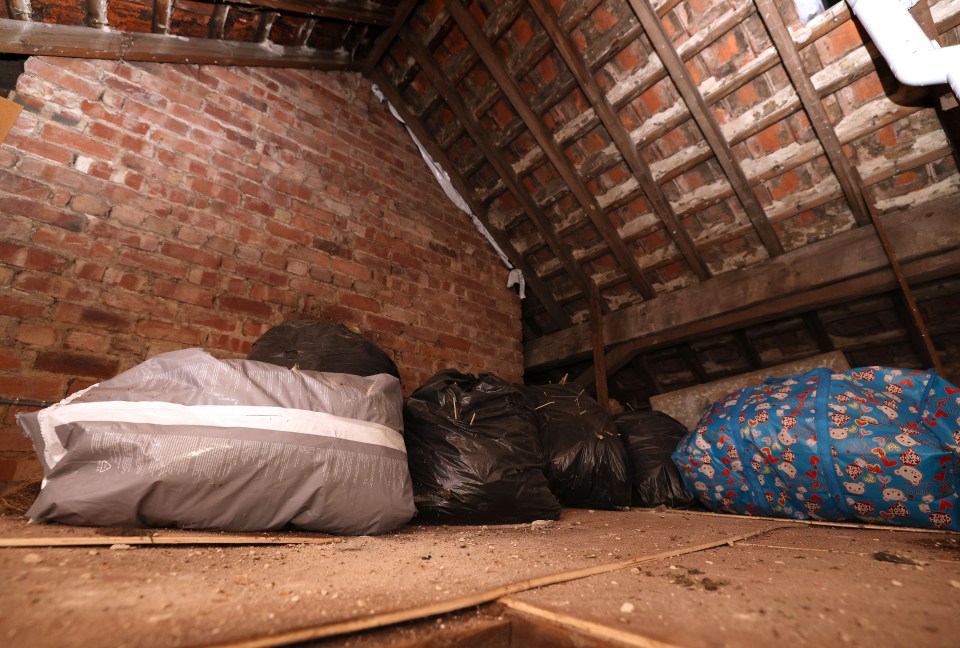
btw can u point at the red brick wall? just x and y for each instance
(153, 207)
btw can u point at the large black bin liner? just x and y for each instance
(313, 345)
(586, 461)
(474, 452)
(651, 438)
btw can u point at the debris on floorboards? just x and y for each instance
(639, 577)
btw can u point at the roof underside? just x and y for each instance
(705, 173)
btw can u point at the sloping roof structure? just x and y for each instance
(692, 188)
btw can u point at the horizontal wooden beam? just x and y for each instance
(43, 39)
(917, 232)
(382, 16)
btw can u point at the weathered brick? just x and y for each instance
(244, 306)
(17, 206)
(75, 364)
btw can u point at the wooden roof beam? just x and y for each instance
(537, 286)
(20, 10)
(850, 181)
(446, 89)
(564, 167)
(736, 298)
(373, 15)
(386, 38)
(44, 39)
(162, 10)
(708, 124)
(618, 133)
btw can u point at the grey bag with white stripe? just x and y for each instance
(186, 440)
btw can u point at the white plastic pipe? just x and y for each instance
(914, 59)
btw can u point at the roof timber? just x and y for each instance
(493, 156)
(641, 171)
(730, 300)
(44, 39)
(564, 167)
(707, 123)
(536, 284)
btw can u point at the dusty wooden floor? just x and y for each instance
(790, 583)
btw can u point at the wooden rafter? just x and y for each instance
(162, 10)
(267, 18)
(618, 133)
(387, 37)
(596, 337)
(218, 20)
(828, 271)
(561, 163)
(96, 14)
(850, 181)
(496, 160)
(708, 124)
(534, 282)
(371, 15)
(20, 9)
(818, 332)
(43, 39)
(305, 32)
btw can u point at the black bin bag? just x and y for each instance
(651, 437)
(474, 454)
(586, 461)
(313, 345)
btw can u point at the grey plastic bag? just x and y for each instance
(186, 440)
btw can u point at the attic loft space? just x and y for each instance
(278, 389)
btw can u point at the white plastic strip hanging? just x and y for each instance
(516, 276)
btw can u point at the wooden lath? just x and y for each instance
(349, 12)
(544, 138)
(534, 282)
(467, 119)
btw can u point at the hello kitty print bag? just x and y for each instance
(876, 444)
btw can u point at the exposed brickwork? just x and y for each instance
(197, 206)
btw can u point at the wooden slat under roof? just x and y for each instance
(318, 34)
(662, 162)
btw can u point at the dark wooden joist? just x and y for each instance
(366, 13)
(708, 124)
(267, 18)
(618, 133)
(818, 332)
(162, 10)
(42, 39)
(20, 10)
(387, 37)
(96, 14)
(599, 365)
(539, 131)
(466, 117)
(930, 268)
(536, 285)
(769, 288)
(305, 32)
(218, 20)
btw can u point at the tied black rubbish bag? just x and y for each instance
(586, 461)
(474, 452)
(312, 345)
(651, 438)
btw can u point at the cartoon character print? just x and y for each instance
(910, 473)
(855, 488)
(894, 495)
